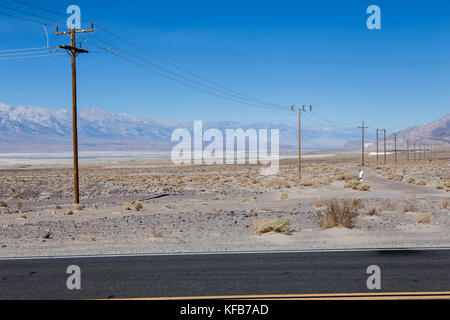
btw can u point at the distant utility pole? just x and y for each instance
(378, 158)
(73, 51)
(407, 150)
(395, 147)
(424, 152)
(415, 151)
(304, 108)
(420, 152)
(385, 156)
(363, 145)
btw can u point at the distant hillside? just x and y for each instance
(437, 132)
(36, 129)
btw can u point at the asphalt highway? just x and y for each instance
(406, 272)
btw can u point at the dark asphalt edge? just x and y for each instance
(379, 250)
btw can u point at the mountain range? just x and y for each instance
(436, 132)
(37, 129)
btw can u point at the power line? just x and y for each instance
(184, 70)
(26, 49)
(223, 90)
(36, 56)
(344, 62)
(236, 97)
(330, 121)
(333, 123)
(37, 7)
(177, 74)
(23, 18)
(30, 14)
(194, 87)
(27, 53)
(110, 50)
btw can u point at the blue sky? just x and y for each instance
(286, 52)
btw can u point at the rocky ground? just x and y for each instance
(147, 208)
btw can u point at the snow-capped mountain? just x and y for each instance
(31, 129)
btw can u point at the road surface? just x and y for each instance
(227, 275)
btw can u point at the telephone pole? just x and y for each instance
(415, 151)
(363, 145)
(407, 150)
(385, 157)
(304, 108)
(378, 158)
(395, 147)
(73, 51)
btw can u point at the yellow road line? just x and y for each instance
(327, 296)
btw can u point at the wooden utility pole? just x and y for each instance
(395, 147)
(385, 156)
(415, 151)
(424, 152)
(407, 150)
(378, 158)
(363, 143)
(300, 111)
(73, 51)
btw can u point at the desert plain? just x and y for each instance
(165, 208)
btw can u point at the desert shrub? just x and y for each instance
(421, 183)
(19, 206)
(356, 204)
(349, 177)
(410, 180)
(443, 204)
(336, 214)
(68, 212)
(351, 184)
(126, 206)
(284, 196)
(282, 225)
(22, 216)
(138, 206)
(308, 183)
(3, 204)
(409, 208)
(356, 185)
(320, 204)
(372, 212)
(385, 207)
(423, 218)
(326, 180)
(362, 187)
(395, 177)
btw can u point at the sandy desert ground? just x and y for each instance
(163, 208)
